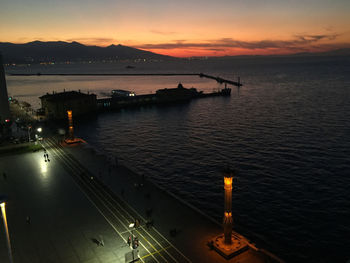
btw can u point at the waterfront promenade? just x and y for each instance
(63, 223)
(70, 209)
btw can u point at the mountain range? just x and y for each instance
(59, 51)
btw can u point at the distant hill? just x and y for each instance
(336, 52)
(37, 51)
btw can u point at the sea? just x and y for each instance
(285, 132)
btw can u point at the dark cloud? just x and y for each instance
(313, 38)
(93, 40)
(297, 43)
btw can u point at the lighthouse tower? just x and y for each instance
(229, 244)
(5, 116)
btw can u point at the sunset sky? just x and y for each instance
(183, 27)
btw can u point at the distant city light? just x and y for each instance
(7, 120)
(39, 129)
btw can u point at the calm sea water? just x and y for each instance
(286, 132)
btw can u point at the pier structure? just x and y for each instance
(161, 97)
(222, 80)
(202, 75)
(229, 244)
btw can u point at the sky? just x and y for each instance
(183, 28)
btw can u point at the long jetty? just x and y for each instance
(202, 75)
(221, 80)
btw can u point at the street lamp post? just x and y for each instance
(3, 211)
(29, 129)
(38, 137)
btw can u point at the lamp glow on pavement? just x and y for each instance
(43, 167)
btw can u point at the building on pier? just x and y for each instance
(55, 105)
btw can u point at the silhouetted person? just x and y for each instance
(4, 175)
(137, 223)
(136, 243)
(28, 220)
(129, 241)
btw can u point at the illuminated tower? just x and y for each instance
(5, 115)
(70, 125)
(230, 243)
(228, 176)
(71, 139)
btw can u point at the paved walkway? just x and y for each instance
(193, 229)
(63, 223)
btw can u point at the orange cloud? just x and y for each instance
(230, 46)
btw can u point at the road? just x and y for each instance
(153, 246)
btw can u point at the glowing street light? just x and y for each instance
(39, 129)
(3, 211)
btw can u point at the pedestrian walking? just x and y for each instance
(28, 220)
(129, 241)
(137, 223)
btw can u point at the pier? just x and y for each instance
(201, 75)
(221, 80)
(161, 97)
